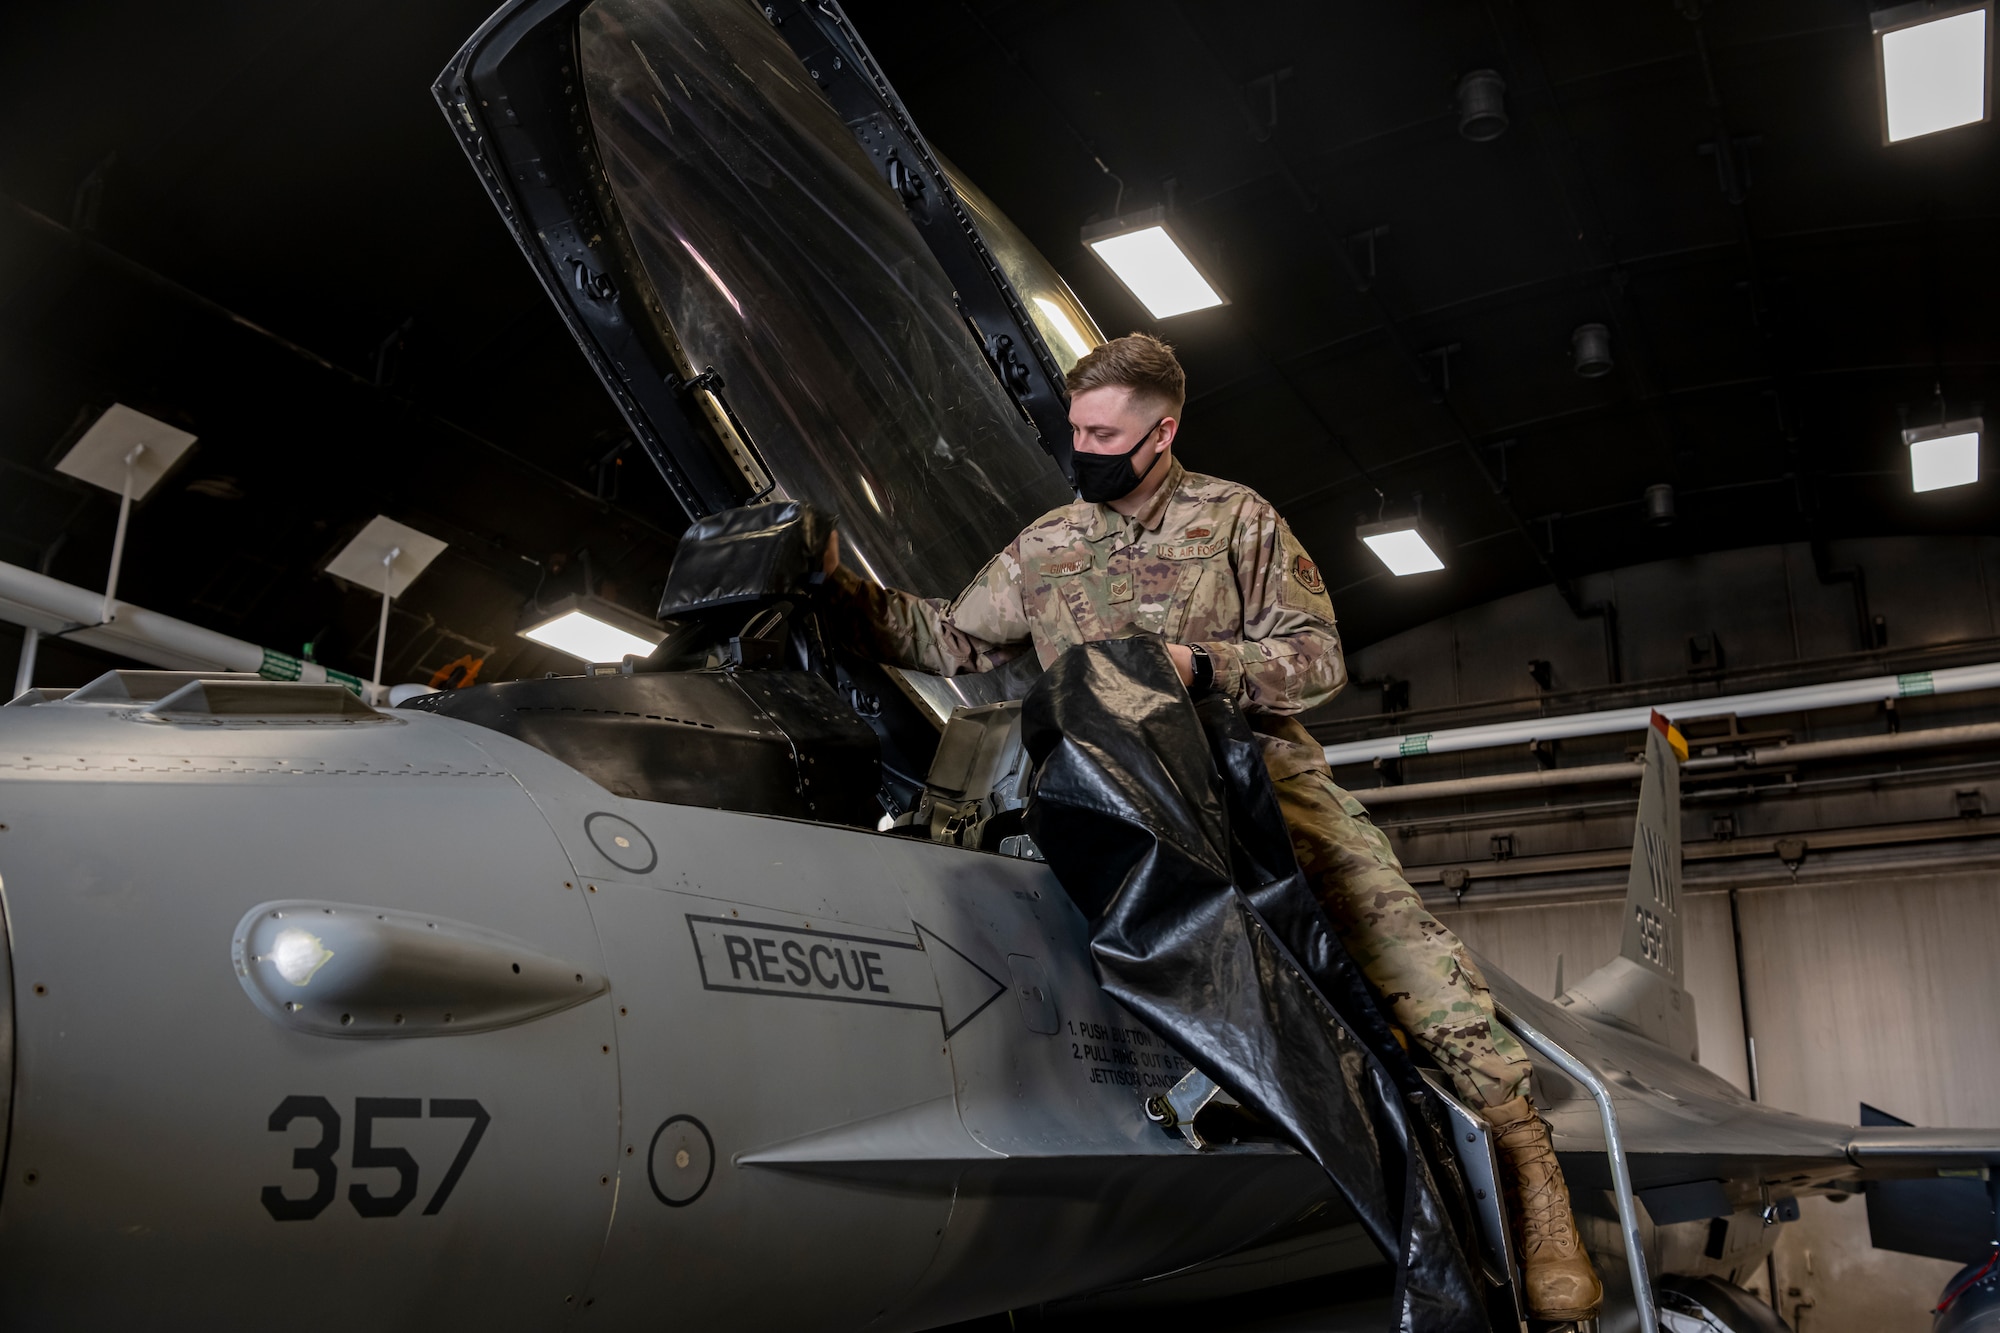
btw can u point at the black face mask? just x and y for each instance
(1102, 478)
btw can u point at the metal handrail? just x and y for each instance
(1614, 1148)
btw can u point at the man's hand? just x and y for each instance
(1183, 661)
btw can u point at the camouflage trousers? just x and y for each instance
(1433, 989)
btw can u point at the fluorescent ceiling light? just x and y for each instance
(1934, 70)
(1143, 253)
(1398, 544)
(590, 639)
(1944, 455)
(594, 630)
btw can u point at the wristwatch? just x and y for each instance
(1204, 671)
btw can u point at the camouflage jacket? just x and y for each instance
(1206, 562)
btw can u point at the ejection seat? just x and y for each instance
(745, 705)
(739, 708)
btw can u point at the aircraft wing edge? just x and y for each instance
(1916, 1148)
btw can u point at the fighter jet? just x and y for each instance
(720, 989)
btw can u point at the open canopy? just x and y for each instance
(698, 204)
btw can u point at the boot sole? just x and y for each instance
(1566, 1316)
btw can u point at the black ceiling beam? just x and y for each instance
(1392, 327)
(100, 253)
(1638, 366)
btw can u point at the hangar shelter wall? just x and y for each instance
(1866, 968)
(1876, 986)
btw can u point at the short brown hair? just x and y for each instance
(1139, 362)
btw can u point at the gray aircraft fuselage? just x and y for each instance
(391, 1018)
(817, 1077)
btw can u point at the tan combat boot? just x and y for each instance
(1557, 1281)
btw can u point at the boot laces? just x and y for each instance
(1543, 1209)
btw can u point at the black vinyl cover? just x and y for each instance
(748, 554)
(1160, 821)
(770, 742)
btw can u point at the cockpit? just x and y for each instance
(748, 705)
(794, 304)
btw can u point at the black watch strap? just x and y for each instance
(1204, 671)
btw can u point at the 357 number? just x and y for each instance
(318, 1157)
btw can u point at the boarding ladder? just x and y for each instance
(1478, 1160)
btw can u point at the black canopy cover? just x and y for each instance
(1158, 817)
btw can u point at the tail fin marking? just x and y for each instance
(1652, 936)
(1641, 990)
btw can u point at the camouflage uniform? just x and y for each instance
(1209, 562)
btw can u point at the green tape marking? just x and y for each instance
(1415, 745)
(1914, 684)
(279, 666)
(283, 666)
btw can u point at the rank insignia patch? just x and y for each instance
(1307, 573)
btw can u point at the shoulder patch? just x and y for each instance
(1307, 573)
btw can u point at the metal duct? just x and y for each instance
(1873, 689)
(1593, 775)
(1482, 105)
(1762, 756)
(1590, 346)
(1659, 505)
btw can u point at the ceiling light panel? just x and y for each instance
(1401, 547)
(1142, 251)
(589, 639)
(1157, 272)
(1944, 456)
(1934, 72)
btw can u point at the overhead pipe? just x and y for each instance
(1761, 756)
(1834, 694)
(53, 608)
(1593, 775)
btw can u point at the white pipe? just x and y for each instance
(118, 540)
(24, 670)
(53, 607)
(1875, 689)
(1761, 756)
(382, 630)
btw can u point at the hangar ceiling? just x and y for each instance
(250, 221)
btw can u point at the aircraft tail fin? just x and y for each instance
(1642, 990)
(1653, 932)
